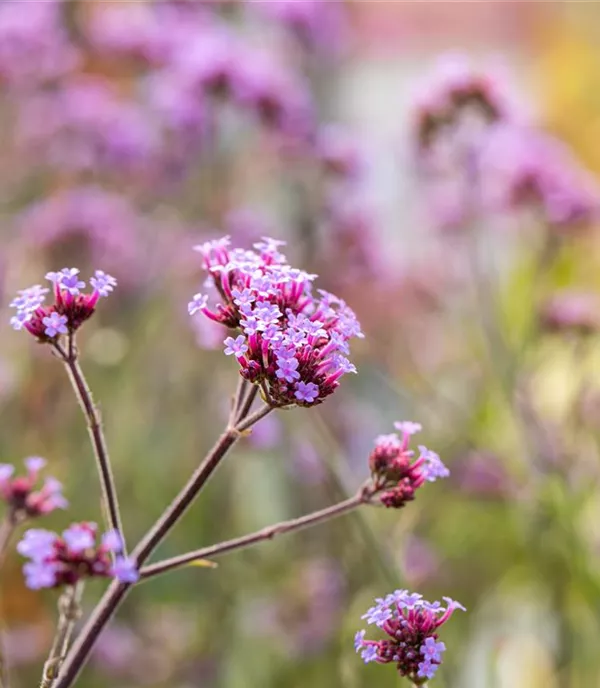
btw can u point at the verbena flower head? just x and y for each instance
(522, 166)
(319, 24)
(34, 46)
(71, 307)
(293, 342)
(395, 472)
(63, 560)
(571, 312)
(411, 624)
(84, 124)
(278, 97)
(338, 152)
(457, 87)
(21, 495)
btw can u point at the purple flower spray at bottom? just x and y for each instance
(56, 561)
(411, 624)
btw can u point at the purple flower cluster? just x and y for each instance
(479, 153)
(411, 624)
(318, 24)
(23, 500)
(107, 222)
(85, 125)
(571, 311)
(70, 309)
(222, 68)
(34, 45)
(63, 560)
(523, 166)
(454, 88)
(292, 342)
(396, 474)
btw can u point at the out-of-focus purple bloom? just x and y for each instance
(267, 433)
(411, 624)
(522, 166)
(106, 221)
(318, 24)
(39, 574)
(57, 561)
(34, 46)
(37, 544)
(21, 496)
(79, 537)
(570, 311)
(212, 65)
(420, 562)
(482, 474)
(113, 541)
(125, 570)
(145, 32)
(353, 239)
(307, 465)
(278, 97)
(306, 616)
(457, 87)
(337, 150)
(408, 427)
(84, 125)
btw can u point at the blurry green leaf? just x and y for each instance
(203, 564)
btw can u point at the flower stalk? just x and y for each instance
(268, 533)
(69, 611)
(117, 591)
(96, 433)
(7, 528)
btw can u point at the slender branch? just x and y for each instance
(255, 538)
(246, 405)
(238, 399)
(69, 611)
(7, 528)
(117, 591)
(252, 419)
(84, 396)
(4, 665)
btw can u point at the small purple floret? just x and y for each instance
(55, 324)
(235, 346)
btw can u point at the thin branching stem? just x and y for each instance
(7, 528)
(117, 591)
(69, 611)
(94, 424)
(257, 537)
